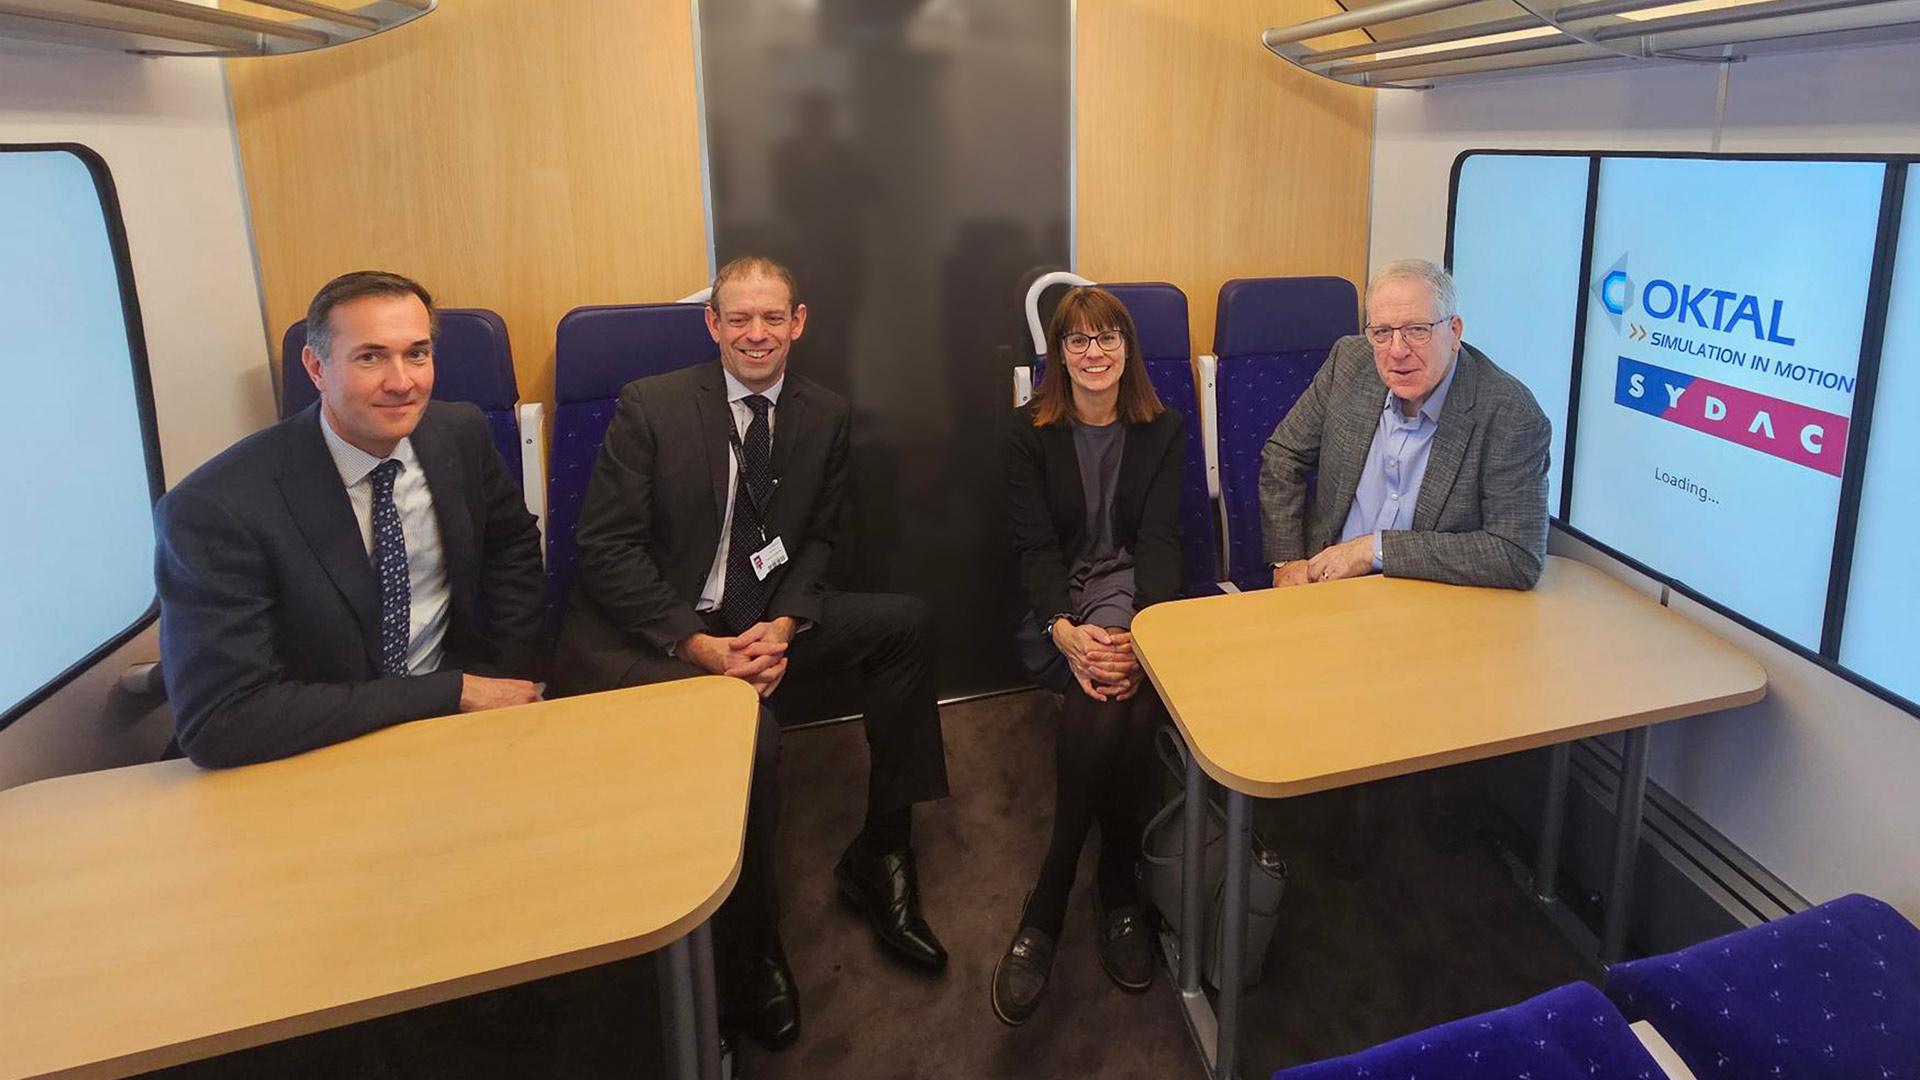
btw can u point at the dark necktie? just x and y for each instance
(745, 595)
(390, 566)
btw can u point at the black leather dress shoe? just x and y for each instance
(1020, 978)
(1126, 946)
(767, 1003)
(886, 890)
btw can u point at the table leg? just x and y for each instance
(1626, 843)
(678, 1010)
(1233, 933)
(706, 1008)
(1192, 872)
(1546, 869)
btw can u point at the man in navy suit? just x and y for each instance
(365, 562)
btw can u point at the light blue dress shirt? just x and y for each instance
(1396, 463)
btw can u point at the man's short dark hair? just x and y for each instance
(355, 286)
(753, 266)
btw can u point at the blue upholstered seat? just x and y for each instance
(1159, 313)
(1831, 993)
(472, 362)
(1573, 1033)
(596, 351)
(1271, 336)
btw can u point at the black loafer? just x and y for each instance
(886, 890)
(1020, 978)
(767, 1003)
(1126, 946)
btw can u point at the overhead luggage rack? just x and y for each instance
(187, 28)
(1419, 44)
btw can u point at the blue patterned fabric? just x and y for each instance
(1572, 1033)
(472, 362)
(598, 350)
(1831, 993)
(1159, 315)
(390, 567)
(1271, 335)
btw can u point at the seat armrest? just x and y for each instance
(533, 464)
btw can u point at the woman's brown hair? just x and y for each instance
(1090, 309)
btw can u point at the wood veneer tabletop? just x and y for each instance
(159, 913)
(1283, 692)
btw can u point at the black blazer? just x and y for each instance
(270, 610)
(1050, 507)
(650, 525)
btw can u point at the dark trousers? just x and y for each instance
(886, 640)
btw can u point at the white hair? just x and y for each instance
(1438, 282)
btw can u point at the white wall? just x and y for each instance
(1821, 781)
(163, 127)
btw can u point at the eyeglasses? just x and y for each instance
(1415, 334)
(1077, 343)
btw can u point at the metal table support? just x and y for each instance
(1626, 843)
(688, 1008)
(1553, 823)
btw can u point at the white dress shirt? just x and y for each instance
(742, 416)
(430, 600)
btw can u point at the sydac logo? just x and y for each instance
(1707, 306)
(1783, 429)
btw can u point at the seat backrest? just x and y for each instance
(472, 362)
(597, 350)
(1572, 1033)
(1271, 336)
(1830, 993)
(1159, 313)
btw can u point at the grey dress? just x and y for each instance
(1100, 578)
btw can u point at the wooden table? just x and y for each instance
(1283, 692)
(160, 914)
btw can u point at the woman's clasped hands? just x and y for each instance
(1102, 660)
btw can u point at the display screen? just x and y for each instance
(1518, 223)
(1718, 369)
(1883, 594)
(77, 473)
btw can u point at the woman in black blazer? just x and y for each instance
(1093, 475)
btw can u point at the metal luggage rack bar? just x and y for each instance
(1419, 44)
(187, 28)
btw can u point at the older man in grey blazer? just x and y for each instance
(1432, 460)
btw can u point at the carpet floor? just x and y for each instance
(1384, 929)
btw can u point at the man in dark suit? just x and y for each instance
(702, 549)
(363, 563)
(1432, 460)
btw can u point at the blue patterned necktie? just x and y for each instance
(390, 565)
(745, 598)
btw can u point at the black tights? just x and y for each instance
(1100, 766)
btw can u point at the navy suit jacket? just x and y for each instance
(270, 611)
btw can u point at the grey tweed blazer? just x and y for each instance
(1481, 518)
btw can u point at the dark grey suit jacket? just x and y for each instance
(650, 524)
(270, 610)
(1481, 518)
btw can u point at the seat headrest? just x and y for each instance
(1284, 315)
(1159, 313)
(597, 350)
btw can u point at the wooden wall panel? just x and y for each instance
(526, 157)
(529, 157)
(1203, 157)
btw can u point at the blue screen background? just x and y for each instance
(1517, 225)
(76, 559)
(1801, 232)
(1882, 624)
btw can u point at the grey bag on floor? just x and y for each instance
(1160, 849)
